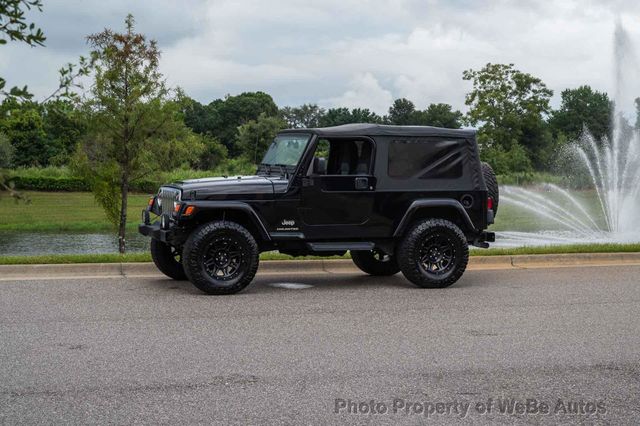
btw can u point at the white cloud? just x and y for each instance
(365, 91)
(358, 53)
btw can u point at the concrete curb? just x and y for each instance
(334, 266)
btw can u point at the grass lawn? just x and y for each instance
(78, 211)
(146, 257)
(62, 211)
(514, 218)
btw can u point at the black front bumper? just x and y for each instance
(489, 237)
(154, 231)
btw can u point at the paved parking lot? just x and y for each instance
(296, 349)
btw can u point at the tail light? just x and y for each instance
(490, 203)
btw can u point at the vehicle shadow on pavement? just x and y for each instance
(354, 281)
(268, 284)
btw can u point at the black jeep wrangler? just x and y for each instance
(399, 198)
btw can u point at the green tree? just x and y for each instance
(222, 117)
(25, 129)
(213, 154)
(135, 128)
(336, 117)
(6, 152)
(304, 116)
(440, 115)
(364, 115)
(14, 26)
(255, 136)
(64, 127)
(340, 116)
(579, 108)
(401, 112)
(404, 113)
(515, 159)
(234, 111)
(200, 118)
(510, 107)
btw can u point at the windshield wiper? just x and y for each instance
(283, 169)
(266, 167)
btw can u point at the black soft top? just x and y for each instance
(362, 129)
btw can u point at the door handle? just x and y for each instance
(362, 183)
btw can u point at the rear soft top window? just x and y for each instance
(427, 158)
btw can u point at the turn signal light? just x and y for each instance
(189, 210)
(176, 207)
(151, 201)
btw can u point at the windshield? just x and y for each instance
(286, 150)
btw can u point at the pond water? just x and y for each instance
(36, 243)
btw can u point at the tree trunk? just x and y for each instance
(122, 228)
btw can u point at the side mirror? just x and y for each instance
(319, 166)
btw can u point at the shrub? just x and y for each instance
(63, 179)
(6, 152)
(515, 160)
(46, 179)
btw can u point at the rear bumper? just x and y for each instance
(483, 239)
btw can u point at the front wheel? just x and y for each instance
(375, 262)
(221, 257)
(433, 254)
(168, 260)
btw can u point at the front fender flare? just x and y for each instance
(430, 203)
(233, 205)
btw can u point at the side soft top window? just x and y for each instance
(427, 158)
(343, 157)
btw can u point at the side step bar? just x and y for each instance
(356, 245)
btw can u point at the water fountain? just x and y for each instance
(613, 168)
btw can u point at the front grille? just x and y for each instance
(167, 196)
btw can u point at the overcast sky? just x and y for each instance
(354, 53)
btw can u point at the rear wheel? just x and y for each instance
(375, 262)
(433, 254)
(221, 257)
(168, 259)
(492, 185)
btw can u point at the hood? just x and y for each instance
(232, 187)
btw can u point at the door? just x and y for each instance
(338, 191)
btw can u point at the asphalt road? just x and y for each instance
(150, 350)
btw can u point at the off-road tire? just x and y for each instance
(492, 185)
(424, 237)
(374, 262)
(168, 260)
(204, 255)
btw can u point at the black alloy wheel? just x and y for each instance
(437, 254)
(375, 262)
(168, 259)
(433, 253)
(221, 257)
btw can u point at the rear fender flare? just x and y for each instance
(420, 205)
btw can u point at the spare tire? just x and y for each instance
(492, 185)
